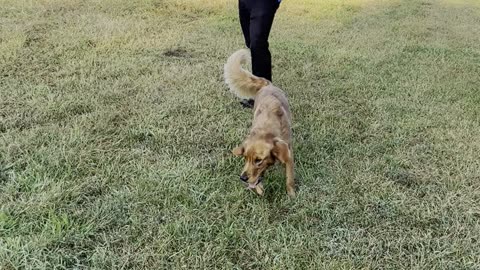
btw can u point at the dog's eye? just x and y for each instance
(258, 161)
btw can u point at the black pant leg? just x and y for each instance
(261, 19)
(244, 14)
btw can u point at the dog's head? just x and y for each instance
(259, 155)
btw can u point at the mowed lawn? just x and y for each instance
(116, 130)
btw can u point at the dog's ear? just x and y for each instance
(238, 151)
(280, 150)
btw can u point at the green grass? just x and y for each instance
(116, 130)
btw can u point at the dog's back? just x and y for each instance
(272, 113)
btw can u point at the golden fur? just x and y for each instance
(270, 137)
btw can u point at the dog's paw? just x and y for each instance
(259, 190)
(291, 192)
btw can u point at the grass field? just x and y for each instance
(116, 130)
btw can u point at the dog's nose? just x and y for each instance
(244, 177)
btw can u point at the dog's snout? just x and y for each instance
(244, 177)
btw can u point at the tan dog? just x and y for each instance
(270, 137)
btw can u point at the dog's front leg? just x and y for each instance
(284, 153)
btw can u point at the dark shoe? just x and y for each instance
(247, 103)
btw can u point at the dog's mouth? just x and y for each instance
(254, 185)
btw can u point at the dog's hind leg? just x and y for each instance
(289, 168)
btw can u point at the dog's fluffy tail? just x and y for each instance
(240, 81)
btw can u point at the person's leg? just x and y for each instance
(256, 18)
(244, 15)
(261, 19)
